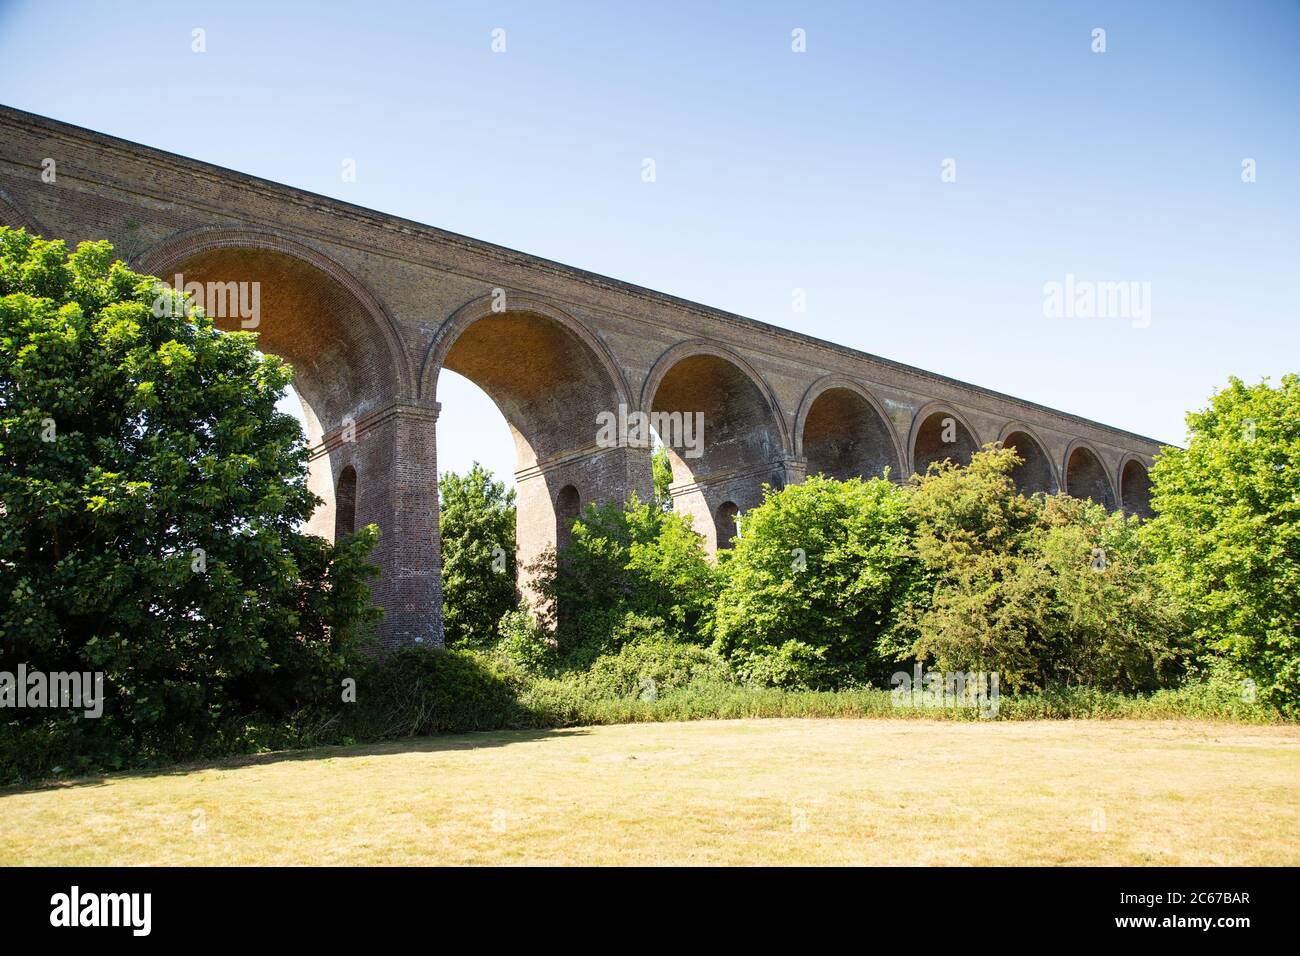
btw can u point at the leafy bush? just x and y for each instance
(523, 641)
(812, 585)
(651, 666)
(1043, 591)
(1109, 623)
(662, 472)
(417, 691)
(1227, 531)
(150, 501)
(631, 560)
(477, 528)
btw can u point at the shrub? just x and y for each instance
(975, 608)
(1109, 623)
(1043, 591)
(812, 584)
(651, 666)
(417, 691)
(523, 641)
(631, 560)
(662, 472)
(1227, 531)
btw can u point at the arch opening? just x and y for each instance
(568, 505)
(1135, 489)
(845, 437)
(345, 503)
(1085, 477)
(551, 388)
(546, 382)
(1034, 473)
(301, 314)
(942, 436)
(728, 526)
(731, 443)
(342, 365)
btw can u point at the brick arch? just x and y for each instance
(1024, 473)
(684, 350)
(16, 217)
(924, 414)
(357, 389)
(1088, 477)
(552, 379)
(745, 443)
(185, 246)
(828, 383)
(1134, 500)
(520, 303)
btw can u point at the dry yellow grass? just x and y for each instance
(742, 792)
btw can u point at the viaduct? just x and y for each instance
(369, 308)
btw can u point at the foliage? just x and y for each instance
(522, 640)
(811, 586)
(649, 666)
(635, 560)
(1227, 530)
(975, 536)
(662, 470)
(477, 526)
(417, 691)
(1110, 624)
(569, 702)
(1045, 591)
(150, 501)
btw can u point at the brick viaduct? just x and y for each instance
(369, 308)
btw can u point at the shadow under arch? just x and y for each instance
(170, 253)
(744, 442)
(1134, 482)
(929, 438)
(344, 347)
(850, 434)
(1035, 474)
(1085, 475)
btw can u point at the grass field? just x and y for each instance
(706, 792)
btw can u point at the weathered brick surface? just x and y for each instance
(369, 307)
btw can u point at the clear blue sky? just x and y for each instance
(775, 170)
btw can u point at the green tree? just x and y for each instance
(662, 469)
(1044, 591)
(1110, 622)
(629, 572)
(812, 584)
(1227, 530)
(150, 501)
(477, 525)
(973, 535)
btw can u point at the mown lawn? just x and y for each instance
(707, 792)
